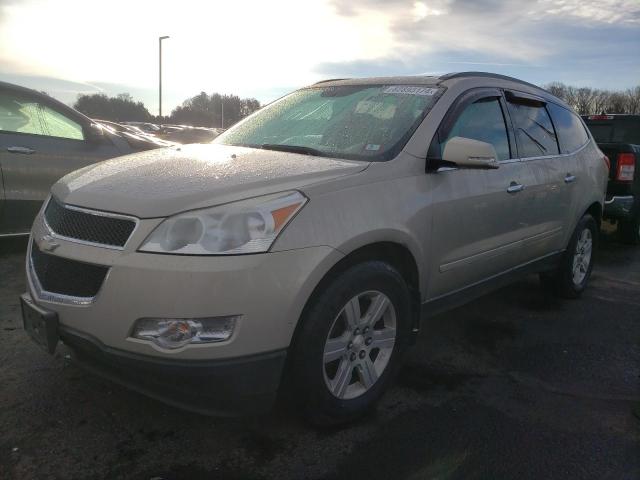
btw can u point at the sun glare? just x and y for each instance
(223, 46)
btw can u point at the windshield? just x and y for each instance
(361, 122)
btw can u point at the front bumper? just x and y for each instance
(244, 385)
(267, 291)
(619, 206)
(239, 375)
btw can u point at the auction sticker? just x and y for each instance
(411, 90)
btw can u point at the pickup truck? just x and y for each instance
(618, 136)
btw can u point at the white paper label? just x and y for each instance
(410, 90)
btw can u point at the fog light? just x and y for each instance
(177, 332)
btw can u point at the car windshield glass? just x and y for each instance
(360, 122)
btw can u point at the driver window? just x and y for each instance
(483, 120)
(21, 115)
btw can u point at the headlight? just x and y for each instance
(248, 226)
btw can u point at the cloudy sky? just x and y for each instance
(266, 48)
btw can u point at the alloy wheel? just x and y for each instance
(582, 256)
(359, 344)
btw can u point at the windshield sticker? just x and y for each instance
(411, 90)
(372, 147)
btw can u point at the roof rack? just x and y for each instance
(330, 80)
(489, 75)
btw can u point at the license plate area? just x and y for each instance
(40, 324)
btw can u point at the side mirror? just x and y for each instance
(466, 152)
(94, 133)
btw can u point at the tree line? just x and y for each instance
(593, 101)
(202, 110)
(216, 110)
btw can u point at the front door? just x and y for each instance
(477, 229)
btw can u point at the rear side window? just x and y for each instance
(483, 121)
(535, 135)
(571, 132)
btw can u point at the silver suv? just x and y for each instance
(302, 248)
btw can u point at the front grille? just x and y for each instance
(88, 227)
(62, 276)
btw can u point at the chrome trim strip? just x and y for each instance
(9, 235)
(96, 213)
(524, 159)
(561, 155)
(500, 162)
(47, 296)
(620, 198)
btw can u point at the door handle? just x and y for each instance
(569, 178)
(515, 187)
(22, 150)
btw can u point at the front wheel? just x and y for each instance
(573, 273)
(350, 343)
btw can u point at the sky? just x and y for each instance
(263, 49)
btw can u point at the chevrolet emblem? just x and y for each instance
(47, 243)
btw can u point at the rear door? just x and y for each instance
(550, 177)
(38, 145)
(476, 213)
(575, 158)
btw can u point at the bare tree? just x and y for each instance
(633, 100)
(587, 101)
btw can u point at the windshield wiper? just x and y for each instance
(293, 149)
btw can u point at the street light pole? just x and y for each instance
(160, 76)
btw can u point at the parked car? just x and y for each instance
(618, 136)
(146, 127)
(186, 134)
(41, 140)
(299, 251)
(135, 136)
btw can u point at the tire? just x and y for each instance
(570, 279)
(629, 230)
(332, 391)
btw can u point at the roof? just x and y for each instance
(443, 79)
(423, 79)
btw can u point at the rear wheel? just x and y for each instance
(350, 343)
(629, 230)
(572, 275)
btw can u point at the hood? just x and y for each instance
(159, 183)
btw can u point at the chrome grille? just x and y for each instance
(87, 226)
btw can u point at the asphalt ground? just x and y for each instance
(517, 384)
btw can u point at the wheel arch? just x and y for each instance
(595, 210)
(396, 254)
